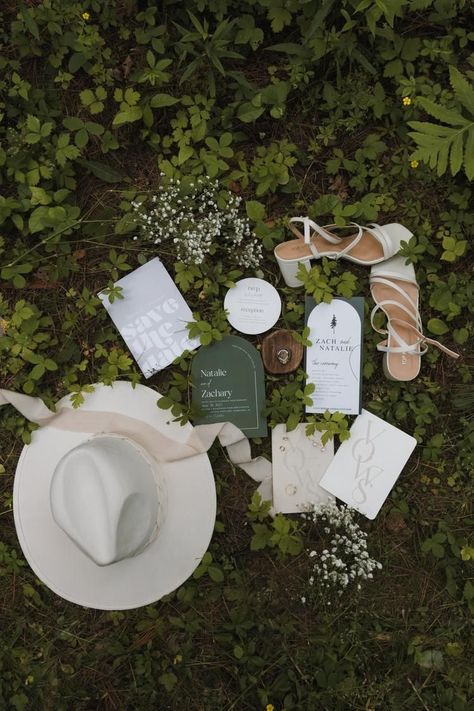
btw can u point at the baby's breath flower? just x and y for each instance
(346, 558)
(414, 164)
(407, 101)
(197, 224)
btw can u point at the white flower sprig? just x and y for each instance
(199, 220)
(346, 559)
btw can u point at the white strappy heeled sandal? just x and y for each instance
(395, 291)
(370, 245)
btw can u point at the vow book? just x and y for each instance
(151, 317)
(367, 465)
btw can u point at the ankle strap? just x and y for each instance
(309, 225)
(413, 347)
(414, 315)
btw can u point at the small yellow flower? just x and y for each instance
(86, 16)
(270, 707)
(414, 164)
(407, 101)
(467, 553)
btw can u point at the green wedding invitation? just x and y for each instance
(228, 385)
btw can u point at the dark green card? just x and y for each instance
(229, 386)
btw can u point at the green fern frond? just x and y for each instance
(462, 89)
(431, 129)
(428, 140)
(442, 158)
(441, 145)
(469, 155)
(456, 154)
(454, 118)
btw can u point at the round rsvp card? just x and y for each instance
(253, 306)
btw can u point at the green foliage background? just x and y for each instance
(301, 107)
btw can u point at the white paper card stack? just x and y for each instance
(151, 317)
(366, 466)
(299, 462)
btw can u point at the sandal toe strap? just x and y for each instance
(395, 287)
(382, 238)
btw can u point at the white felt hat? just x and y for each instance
(114, 504)
(103, 519)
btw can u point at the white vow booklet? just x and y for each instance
(366, 466)
(151, 317)
(298, 463)
(334, 360)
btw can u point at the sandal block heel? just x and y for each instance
(289, 270)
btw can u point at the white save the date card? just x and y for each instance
(366, 466)
(334, 360)
(298, 463)
(151, 317)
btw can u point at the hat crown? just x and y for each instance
(106, 497)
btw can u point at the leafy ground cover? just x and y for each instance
(344, 111)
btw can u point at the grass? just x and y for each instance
(85, 659)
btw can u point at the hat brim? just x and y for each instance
(167, 561)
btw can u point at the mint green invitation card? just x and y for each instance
(229, 386)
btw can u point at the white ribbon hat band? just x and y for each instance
(164, 448)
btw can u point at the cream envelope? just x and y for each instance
(366, 466)
(299, 462)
